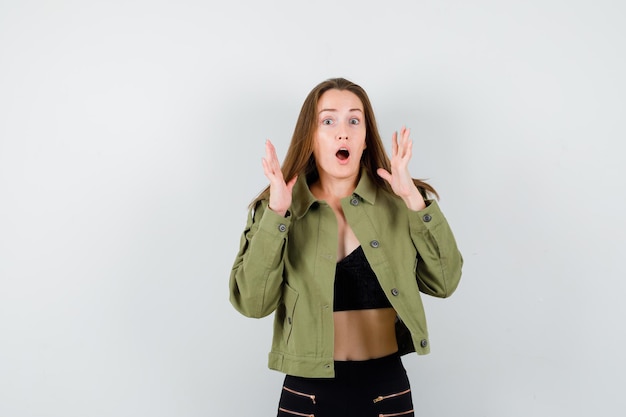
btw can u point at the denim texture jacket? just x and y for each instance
(286, 265)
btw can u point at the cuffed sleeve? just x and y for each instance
(439, 262)
(257, 274)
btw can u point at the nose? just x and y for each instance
(342, 132)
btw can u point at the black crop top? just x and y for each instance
(356, 285)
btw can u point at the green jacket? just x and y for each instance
(287, 265)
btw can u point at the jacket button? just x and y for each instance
(282, 227)
(327, 366)
(395, 292)
(427, 218)
(354, 201)
(289, 320)
(424, 343)
(374, 244)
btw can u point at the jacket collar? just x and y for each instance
(366, 188)
(303, 199)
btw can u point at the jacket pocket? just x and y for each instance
(400, 402)
(286, 412)
(394, 395)
(402, 413)
(301, 394)
(295, 402)
(290, 298)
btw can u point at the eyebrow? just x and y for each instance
(323, 110)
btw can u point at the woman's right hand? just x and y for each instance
(280, 191)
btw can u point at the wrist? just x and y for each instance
(282, 213)
(414, 201)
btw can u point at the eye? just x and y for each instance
(354, 121)
(327, 121)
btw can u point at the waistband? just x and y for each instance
(371, 368)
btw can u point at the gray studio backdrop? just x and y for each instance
(131, 137)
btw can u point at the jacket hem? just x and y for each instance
(302, 366)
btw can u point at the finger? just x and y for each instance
(275, 157)
(409, 151)
(406, 150)
(266, 169)
(401, 142)
(273, 162)
(394, 144)
(269, 171)
(272, 157)
(269, 152)
(405, 140)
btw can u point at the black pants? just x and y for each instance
(372, 388)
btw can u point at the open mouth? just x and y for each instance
(343, 154)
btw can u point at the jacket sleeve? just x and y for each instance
(257, 274)
(439, 262)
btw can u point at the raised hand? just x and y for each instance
(399, 178)
(280, 191)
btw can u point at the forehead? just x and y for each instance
(339, 100)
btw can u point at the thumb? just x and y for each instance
(291, 183)
(384, 174)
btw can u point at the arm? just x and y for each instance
(439, 262)
(257, 274)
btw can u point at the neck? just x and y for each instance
(331, 188)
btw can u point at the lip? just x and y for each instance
(347, 159)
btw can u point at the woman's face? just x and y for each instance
(339, 139)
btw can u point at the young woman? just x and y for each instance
(339, 246)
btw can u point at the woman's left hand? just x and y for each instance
(400, 179)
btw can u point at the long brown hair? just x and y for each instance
(300, 160)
